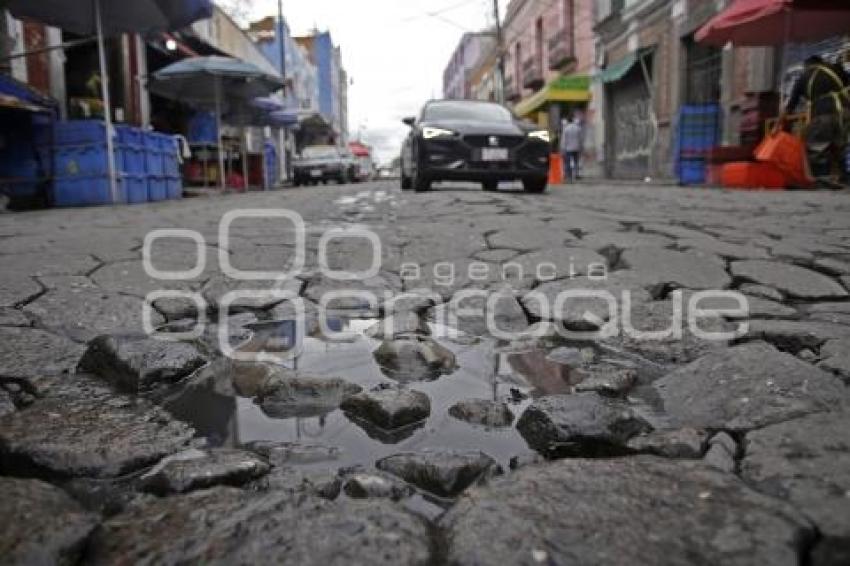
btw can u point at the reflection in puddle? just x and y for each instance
(232, 404)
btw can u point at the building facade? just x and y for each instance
(333, 94)
(472, 49)
(549, 59)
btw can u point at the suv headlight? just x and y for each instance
(541, 135)
(429, 133)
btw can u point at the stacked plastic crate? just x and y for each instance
(81, 165)
(163, 168)
(698, 133)
(270, 164)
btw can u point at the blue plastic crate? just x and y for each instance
(692, 171)
(160, 142)
(170, 165)
(157, 189)
(136, 188)
(72, 132)
(87, 160)
(128, 135)
(174, 188)
(86, 191)
(154, 162)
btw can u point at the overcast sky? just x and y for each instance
(393, 50)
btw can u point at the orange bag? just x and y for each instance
(788, 154)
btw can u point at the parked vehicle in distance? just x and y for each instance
(352, 168)
(483, 142)
(321, 164)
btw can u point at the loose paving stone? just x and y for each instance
(347, 295)
(762, 291)
(807, 462)
(444, 473)
(196, 469)
(252, 379)
(584, 424)
(324, 482)
(559, 263)
(83, 314)
(41, 524)
(747, 387)
(304, 396)
(497, 255)
(414, 359)
(399, 324)
(693, 270)
(412, 300)
(650, 510)
(136, 363)
(363, 485)
(16, 289)
(796, 281)
(836, 358)
(686, 443)
(492, 414)
(483, 314)
(389, 408)
(229, 526)
(795, 335)
(82, 428)
(28, 353)
(13, 317)
(611, 382)
(721, 453)
(131, 278)
(282, 454)
(675, 231)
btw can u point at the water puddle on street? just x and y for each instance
(226, 418)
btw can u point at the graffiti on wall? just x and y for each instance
(634, 129)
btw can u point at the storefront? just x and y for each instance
(630, 122)
(561, 98)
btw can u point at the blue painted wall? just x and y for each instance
(323, 46)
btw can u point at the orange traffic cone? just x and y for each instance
(556, 169)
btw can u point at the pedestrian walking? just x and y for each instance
(826, 88)
(571, 147)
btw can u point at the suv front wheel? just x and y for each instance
(535, 185)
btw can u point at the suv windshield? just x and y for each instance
(320, 152)
(466, 111)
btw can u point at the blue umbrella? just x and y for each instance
(215, 82)
(111, 17)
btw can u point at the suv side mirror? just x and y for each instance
(410, 121)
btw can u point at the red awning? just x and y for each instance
(772, 22)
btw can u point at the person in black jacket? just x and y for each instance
(826, 88)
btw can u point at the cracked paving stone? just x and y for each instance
(17, 289)
(230, 526)
(41, 524)
(84, 314)
(304, 396)
(484, 412)
(833, 266)
(807, 462)
(694, 270)
(747, 387)
(13, 317)
(348, 295)
(796, 281)
(762, 291)
(530, 237)
(624, 240)
(472, 314)
(836, 358)
(130, 278)
(723, 249)
(81, 428)
(389, 408)
(683, 443)
(42, 264)
(650, 510)
(560, 263)
(29, 353)
(248, 295)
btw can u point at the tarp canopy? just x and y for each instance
(15, 95)
(773, 22)
(119, 16)
(572, 88)
(619, 69)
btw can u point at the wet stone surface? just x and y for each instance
(382, 440)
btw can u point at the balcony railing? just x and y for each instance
(532, 73)
(561, 52)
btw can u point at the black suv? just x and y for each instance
(484, 142)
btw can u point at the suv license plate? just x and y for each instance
(494, 154)
(316, 173)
